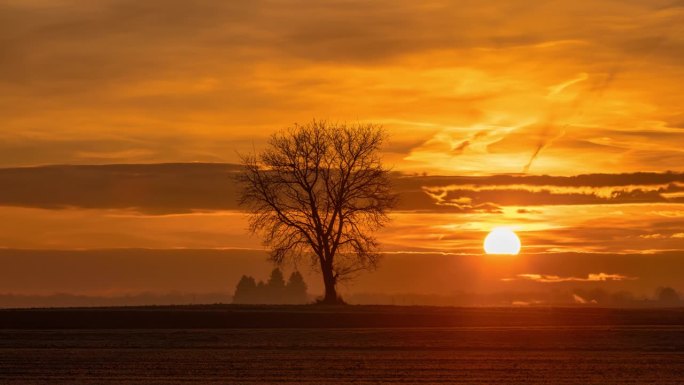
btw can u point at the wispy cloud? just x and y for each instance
(578, 299)
(193, 82)
(548, 278)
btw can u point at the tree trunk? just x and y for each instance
(331, 297)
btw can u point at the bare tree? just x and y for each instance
(319, 191)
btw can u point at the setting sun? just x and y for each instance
(502, 240)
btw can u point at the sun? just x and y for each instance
(502, 240)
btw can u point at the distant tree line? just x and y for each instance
(274, 291)
(664, 297)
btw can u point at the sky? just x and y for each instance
(121, 123)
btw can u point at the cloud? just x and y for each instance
(154, 188)
(576, 92)
(512, 190)
(580, 300)
(169, 81)
(591, 277)
(652, 236)
(185, 187)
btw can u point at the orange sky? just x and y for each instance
(464, 90)
(470, 87)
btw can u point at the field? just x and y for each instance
(574, 346)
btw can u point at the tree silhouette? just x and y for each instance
(277, 280)
(667, 295)
(246, 290)
(296, 288)
(320, 191)
(275, 287)
(274, 291)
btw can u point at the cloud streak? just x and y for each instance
(187, 187)
(548, 278)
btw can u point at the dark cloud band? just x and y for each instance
(185, 187)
